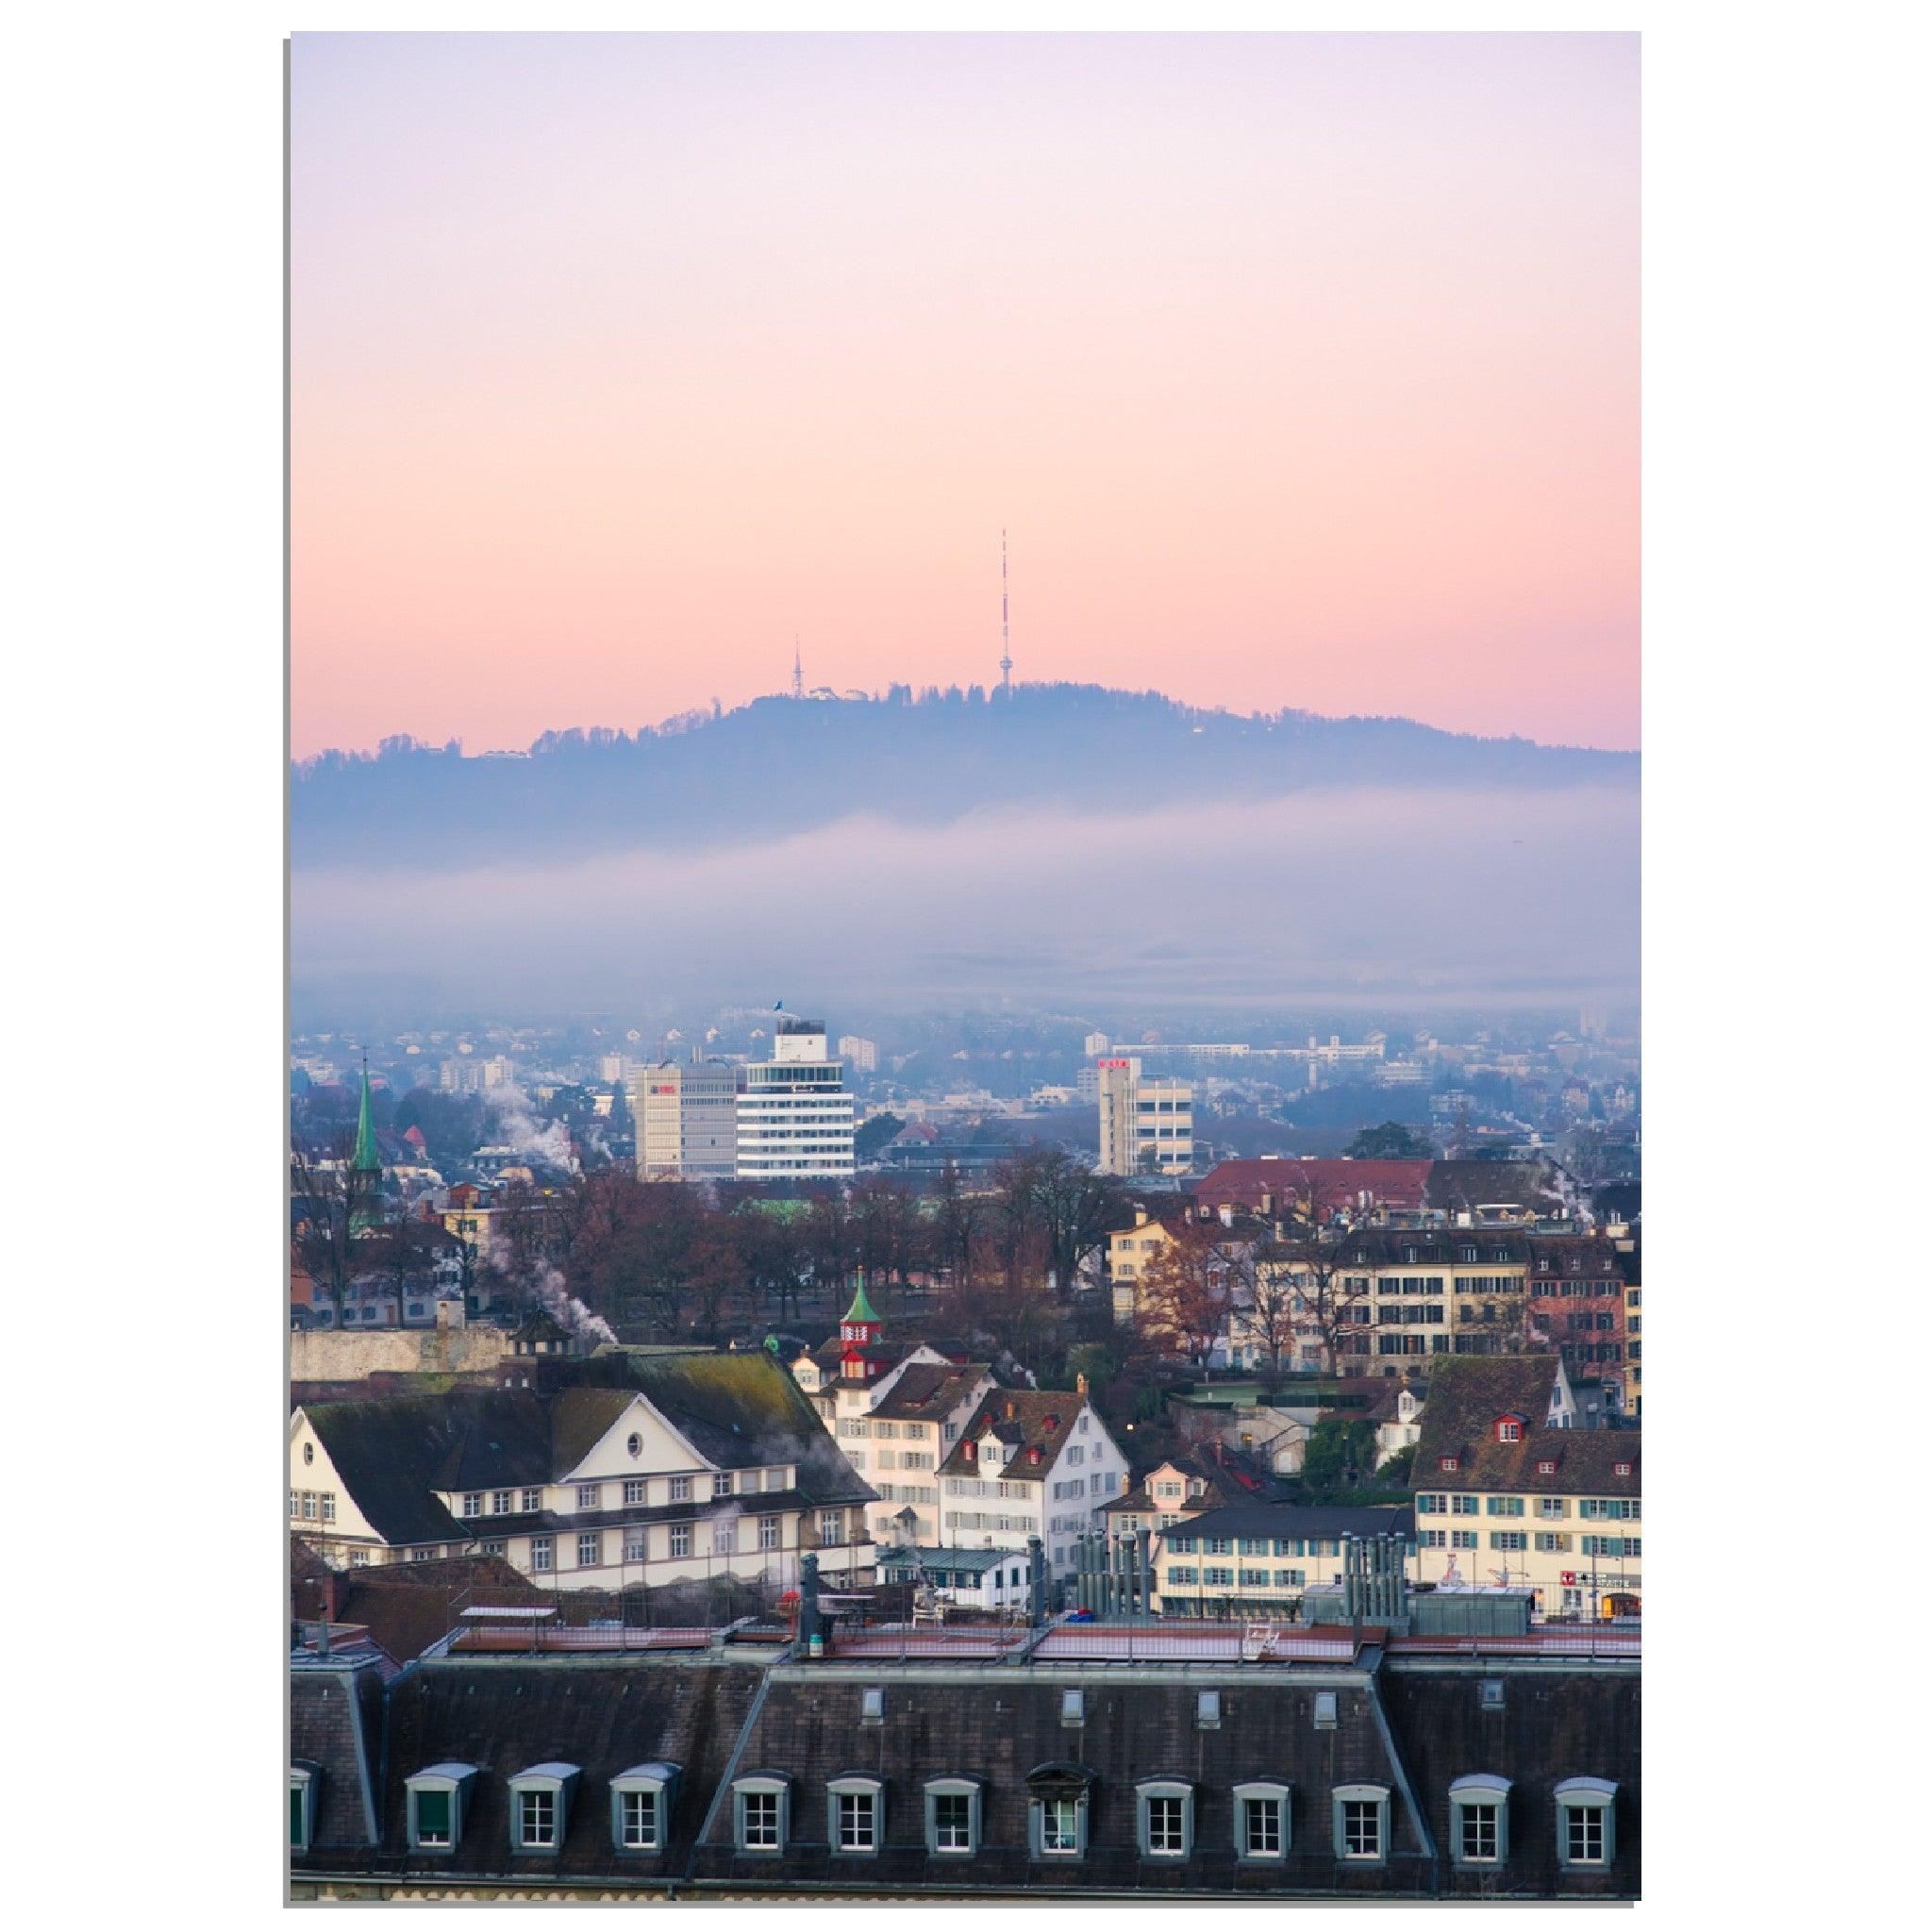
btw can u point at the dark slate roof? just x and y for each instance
(1297, 1519)
(1586, 1724)
(335, 1724)
(928, 1390)
(1469, 1394)
(1008, 1727)
(604, 1716)
(1435, 1247)
(1021, 1419)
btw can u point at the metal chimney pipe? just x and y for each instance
(1036, 1584)
(1146, 1539)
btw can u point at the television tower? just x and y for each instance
(1006, 648)
(797, 669)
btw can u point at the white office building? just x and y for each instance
(794, 1116)
(1146, 1123)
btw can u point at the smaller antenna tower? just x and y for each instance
(1006, 648)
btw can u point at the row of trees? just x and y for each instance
(662, 1260)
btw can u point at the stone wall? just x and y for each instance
(323, 1354)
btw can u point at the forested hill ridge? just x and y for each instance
(781, 765)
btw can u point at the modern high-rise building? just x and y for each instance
(684, 1114)
(861, 1055)
(1146, 1124)
(794, 1116)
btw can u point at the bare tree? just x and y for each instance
(319, 1190)
(1330, 1304)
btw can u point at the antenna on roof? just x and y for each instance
(1006, 649)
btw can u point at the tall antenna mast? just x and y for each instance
(1006, 648)
(797, 669)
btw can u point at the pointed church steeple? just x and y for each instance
(861, 1312)
(858, 1332)
(365, 1169)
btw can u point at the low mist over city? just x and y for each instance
(1061, 847)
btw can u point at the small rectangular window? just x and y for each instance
(1361, 1828)
(433, 1813)
(533, 1499)
(1478, 1835)
(536, 1820)
(1207, 1710)
(1072, 1707)
(872, 1704)
(952, 1821)
(1261, 1827)
(634, 1490)
(858, 1821)
(761, 1831)
(1582, 1827)
(543, 1556)
(680, 1489)
(1059, 1825)
(1166, 1827)
(1324, 1710)
(640, 1820)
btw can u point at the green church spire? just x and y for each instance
(365, 1160)
(862, 1309)
(365, 1170)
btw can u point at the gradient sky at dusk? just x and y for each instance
(1302, 369)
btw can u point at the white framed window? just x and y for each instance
(1059, 1823)
(634, 1490)
(1261, 1821)
(1479, 1820)
(680, 1489)
(768, 1532)
(635, 1549)
(1361, 1823)
(589, 1549)
(721, 1483)
(472, 1503)
(640, 1802)
(438, 1796)
(539, 1803)
(590, 1495)
(854, 1815)
(533, 1499)
(951, 1817)
(328, 1506)
(499, 1502)
(724, 1538)
(681, 1538)
(831, 1526)
(1586, 1822)
(303, 1778)
(1166, 1818)
(761, 1805)
(542, 1554)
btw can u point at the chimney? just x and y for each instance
(811, 1636)
(1081, 1385)
(1035, 1583)
(1012, 1409)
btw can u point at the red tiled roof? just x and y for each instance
(1326, 1184)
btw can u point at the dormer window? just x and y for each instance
(1449, 1464)
(762, 1805)
(1620, 1469)
(1508, 1428)
(640, 1802)
(437, 1799)
(304, 1778)
(1167, 1818)
(1547, 1467)
(854, 1815)
(539, 1803)
(1586, 1822)
(1479, 1815)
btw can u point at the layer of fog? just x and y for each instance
(1502, 898)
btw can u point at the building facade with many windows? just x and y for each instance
(794, 1115)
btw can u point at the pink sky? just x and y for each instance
(1303, 369)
